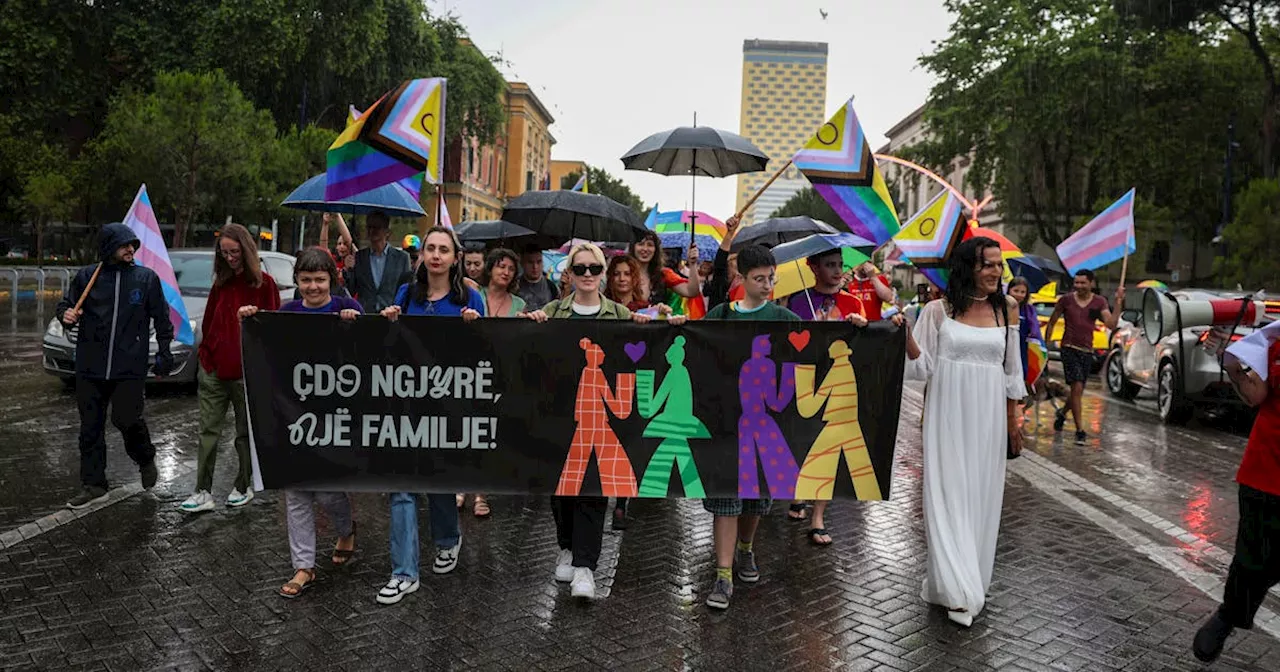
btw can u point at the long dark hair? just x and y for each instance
(458, 292)
(251, 266)
(657, 286)
(497, 255)
(962, 282)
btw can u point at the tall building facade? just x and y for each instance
(784, 99)
(529, 141)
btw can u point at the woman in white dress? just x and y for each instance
(966, 348)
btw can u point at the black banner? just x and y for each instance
(805, 410)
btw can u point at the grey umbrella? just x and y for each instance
(779, 230)
(564, 215)
(695, 150)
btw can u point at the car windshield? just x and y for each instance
(1044, 309)
(194, 272)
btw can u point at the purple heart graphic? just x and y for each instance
(635, 350)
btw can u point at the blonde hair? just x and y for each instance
(590, 248)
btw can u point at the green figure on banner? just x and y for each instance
(675, 426)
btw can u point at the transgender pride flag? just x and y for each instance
(1107, 238)
(152, 254)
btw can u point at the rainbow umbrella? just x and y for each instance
(1153, 284)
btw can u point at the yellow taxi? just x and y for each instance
(1044, 301)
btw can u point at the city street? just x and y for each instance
(1111, 555)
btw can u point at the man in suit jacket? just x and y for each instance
(379, 267)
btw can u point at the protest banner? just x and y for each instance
(715, 409)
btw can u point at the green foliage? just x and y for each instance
(1065, 104)
(1253, 248)
(808, 203)
(47, 197)
(599, 181)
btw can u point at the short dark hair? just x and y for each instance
(497, 255)
(752, 257)
(378, 219)
(817, 258)
(316, 260)
(1088, 274)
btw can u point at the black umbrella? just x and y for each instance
(779, 230)
(564, 215)
(696, 150)
(496, 229)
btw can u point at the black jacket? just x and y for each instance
(114, 329)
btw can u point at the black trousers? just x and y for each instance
(1256, 565)
(580, 527)
(125, 398)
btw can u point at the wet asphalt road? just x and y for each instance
(1111, 554)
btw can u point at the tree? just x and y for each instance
(196, 141)
(1253, 249)
(1255, 21)
(808, 203)
(599, 181)
(48, 197)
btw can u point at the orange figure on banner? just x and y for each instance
(841, 435)
(591, 411)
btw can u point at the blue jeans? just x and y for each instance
(443, 514)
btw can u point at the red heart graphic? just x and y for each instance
(799, 339)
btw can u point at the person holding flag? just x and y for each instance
(114, 304)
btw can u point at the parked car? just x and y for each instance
(1184, 368)
(1044, 309)
(194, 271)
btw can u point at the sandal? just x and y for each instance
(797, 509)
(481, 508)
(815, 532)
(342, 556)
(293, 589)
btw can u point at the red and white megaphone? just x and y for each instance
(1161, 313)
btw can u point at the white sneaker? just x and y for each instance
(395, 590)
(564, 566)
(200, 501)
(237, 498)
(446, 558)
(584, 583)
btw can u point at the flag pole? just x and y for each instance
(751, 201)
(85, 294)
(693, 178)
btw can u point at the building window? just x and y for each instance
(528, 180)
(1158, 258)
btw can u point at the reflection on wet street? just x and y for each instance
(1111, 553)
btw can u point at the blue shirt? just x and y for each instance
(377, 264)
(444, 307)
(336, 304)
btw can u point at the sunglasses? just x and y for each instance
(584, 269)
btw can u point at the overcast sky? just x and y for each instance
(612, 72)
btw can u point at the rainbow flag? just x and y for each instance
(838, 162)
(581, 185)
(929, 236)
(1037, 361)
(355, 167)
(398, 139)
(1106, 238)
(152, 254)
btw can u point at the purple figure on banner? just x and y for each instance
(758, 390)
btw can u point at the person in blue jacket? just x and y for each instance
(111, 357)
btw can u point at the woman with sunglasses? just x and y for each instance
(580, 520)
(437, 290)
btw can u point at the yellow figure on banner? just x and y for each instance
(842, 435)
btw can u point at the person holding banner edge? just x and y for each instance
(438, 290)
(316, 275)
(580, 519)
(113, 302)
(238, 280)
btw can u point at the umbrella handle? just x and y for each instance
(751, 201)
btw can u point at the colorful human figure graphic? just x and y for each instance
(591, 411)
(758, 433)
(841, 435)
(675, 426)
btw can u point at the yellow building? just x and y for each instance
(528, 141)
(784, 99)
(559, 169)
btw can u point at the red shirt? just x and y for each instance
(865, 291)
(220, 333)
(1260, 468)
(1079, 321)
